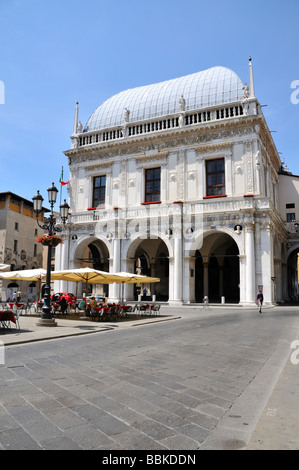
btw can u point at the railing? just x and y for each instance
(190, 119)
(168, 210)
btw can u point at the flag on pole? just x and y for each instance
(62, 183)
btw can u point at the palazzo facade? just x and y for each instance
(179, 180)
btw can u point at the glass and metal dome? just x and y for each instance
(211, 87)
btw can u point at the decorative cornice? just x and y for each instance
(205, 132)
(98, 165)
(213, 147)
(152, 156)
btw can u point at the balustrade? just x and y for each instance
(190, 119)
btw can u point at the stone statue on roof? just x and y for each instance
(182, 102)
(126, 115)
(245, 99)
(246, 91)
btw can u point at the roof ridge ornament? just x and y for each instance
(251, 81)
(76, 119)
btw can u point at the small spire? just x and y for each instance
(76, 119)
(251, 82)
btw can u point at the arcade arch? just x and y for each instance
(93, 253)
(150, 257)
(217, 269)
(292, 275)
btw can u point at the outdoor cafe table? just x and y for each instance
(6, 316)
(17, 304)
(105, 309)
(38, 305)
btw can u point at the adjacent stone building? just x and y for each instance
(18, 246)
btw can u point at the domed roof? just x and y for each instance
(211, 87)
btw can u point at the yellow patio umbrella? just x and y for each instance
(87, 275)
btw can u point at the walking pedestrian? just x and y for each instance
(259, 300)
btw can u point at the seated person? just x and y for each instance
(63, 304)
(92, 304)
(82, 304)
(103, 304)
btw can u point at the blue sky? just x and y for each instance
(54, 53)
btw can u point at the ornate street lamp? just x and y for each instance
(49, 240)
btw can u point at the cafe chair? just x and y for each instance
(17, 314)
(155, 309)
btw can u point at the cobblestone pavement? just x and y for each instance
(201, 380)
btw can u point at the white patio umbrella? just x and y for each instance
(38, 274)
(25, 274)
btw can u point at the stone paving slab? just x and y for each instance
(146, 398)
(31, 331)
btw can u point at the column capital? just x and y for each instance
(250, 227)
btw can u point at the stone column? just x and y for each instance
(61, 262)
(242, 261)
(258, 266)
(189, 273)
(114, 290)
(205, 278)
(128, 288)
(250, 263)
(177, 270)
(163, 186)
(221, 278)
(229, 174)
(277, 283)
(267, 262)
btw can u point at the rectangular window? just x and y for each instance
(15, 246)
(99, 191)
(290, 206)
(152, 184)
(215, 175)
(291, 217)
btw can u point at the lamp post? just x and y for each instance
(51, 227)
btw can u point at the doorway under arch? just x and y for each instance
(217, 269)
(151, 258)
(93, 253)
(292, 269)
